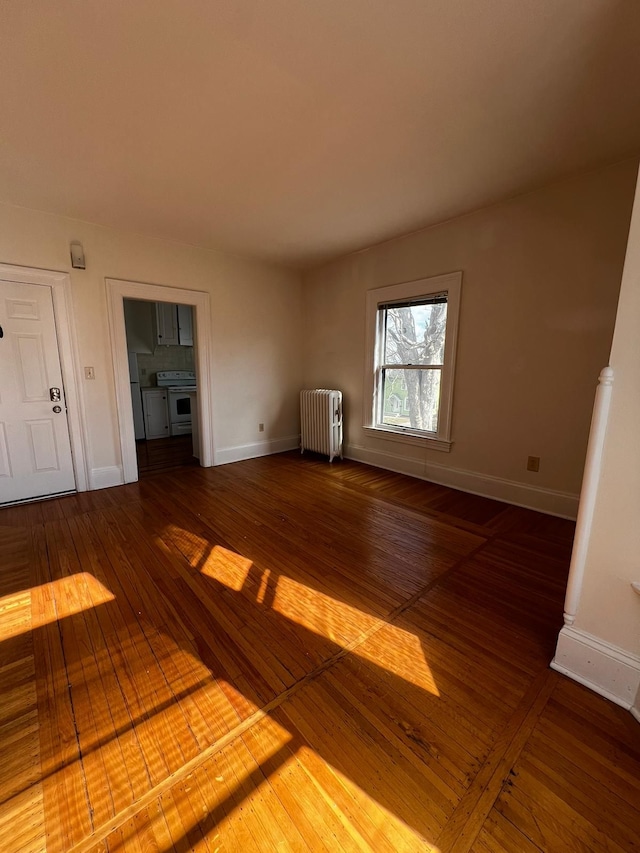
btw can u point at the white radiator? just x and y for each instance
(321, 422)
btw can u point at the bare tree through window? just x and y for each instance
(414, 337)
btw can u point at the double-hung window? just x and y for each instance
(412, 331)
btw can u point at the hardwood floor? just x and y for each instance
(281, 654)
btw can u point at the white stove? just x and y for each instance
(176, 379)
(181, 396)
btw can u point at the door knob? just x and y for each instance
(57, 409)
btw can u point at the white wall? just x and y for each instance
(602, 647)
(256, 319)
(541, 275)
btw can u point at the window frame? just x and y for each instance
(422, 288)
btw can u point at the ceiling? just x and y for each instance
(300, 130)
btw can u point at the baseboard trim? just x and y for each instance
(252, 451)
(105, 478)
(549, 501)
(601, 666)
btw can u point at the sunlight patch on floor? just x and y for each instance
(222, 565)
(401, 653)
(324, 615)
(15, 614)
(222, 800)
(380, 825)
(68, 595)
(331, 618)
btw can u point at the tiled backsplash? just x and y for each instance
(164, 358)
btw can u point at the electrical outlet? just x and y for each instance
(260, 427)
(533, 463)
(89, 373)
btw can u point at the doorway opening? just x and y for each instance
(160, 351)
(161, 355)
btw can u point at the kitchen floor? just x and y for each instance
(164, 454)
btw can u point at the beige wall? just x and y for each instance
(256, 319)
(541, 275)
(608, 607)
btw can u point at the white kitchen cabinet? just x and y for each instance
(185, 325)
(167, 323)
(156, 412)
(174, 324)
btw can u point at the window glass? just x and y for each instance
(416, 406)
(415, 334)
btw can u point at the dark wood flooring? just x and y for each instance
(164, 454)
(283, 654)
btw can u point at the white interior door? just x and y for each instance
(35, 451)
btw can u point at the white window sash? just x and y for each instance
(380, 394)
(377, 300)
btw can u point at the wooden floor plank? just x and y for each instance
(67, 810)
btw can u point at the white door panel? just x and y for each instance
(42, 442)
(5, 467)
(35, 451)
(32, 370)
(22, 309)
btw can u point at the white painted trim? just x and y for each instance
(601, 666)
(423, 441)
(60, 284)
(105, 478)
(550, 501)
(452, 284)
(588, 494)
(117, 291)
(635, 712)
(260, 448)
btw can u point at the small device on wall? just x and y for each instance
(77, 256)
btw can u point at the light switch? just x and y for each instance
(89, 373)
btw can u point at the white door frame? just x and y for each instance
(60, 284)
(117, 291)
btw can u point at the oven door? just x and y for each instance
(179, 407)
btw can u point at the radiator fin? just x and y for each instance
(321, 422)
